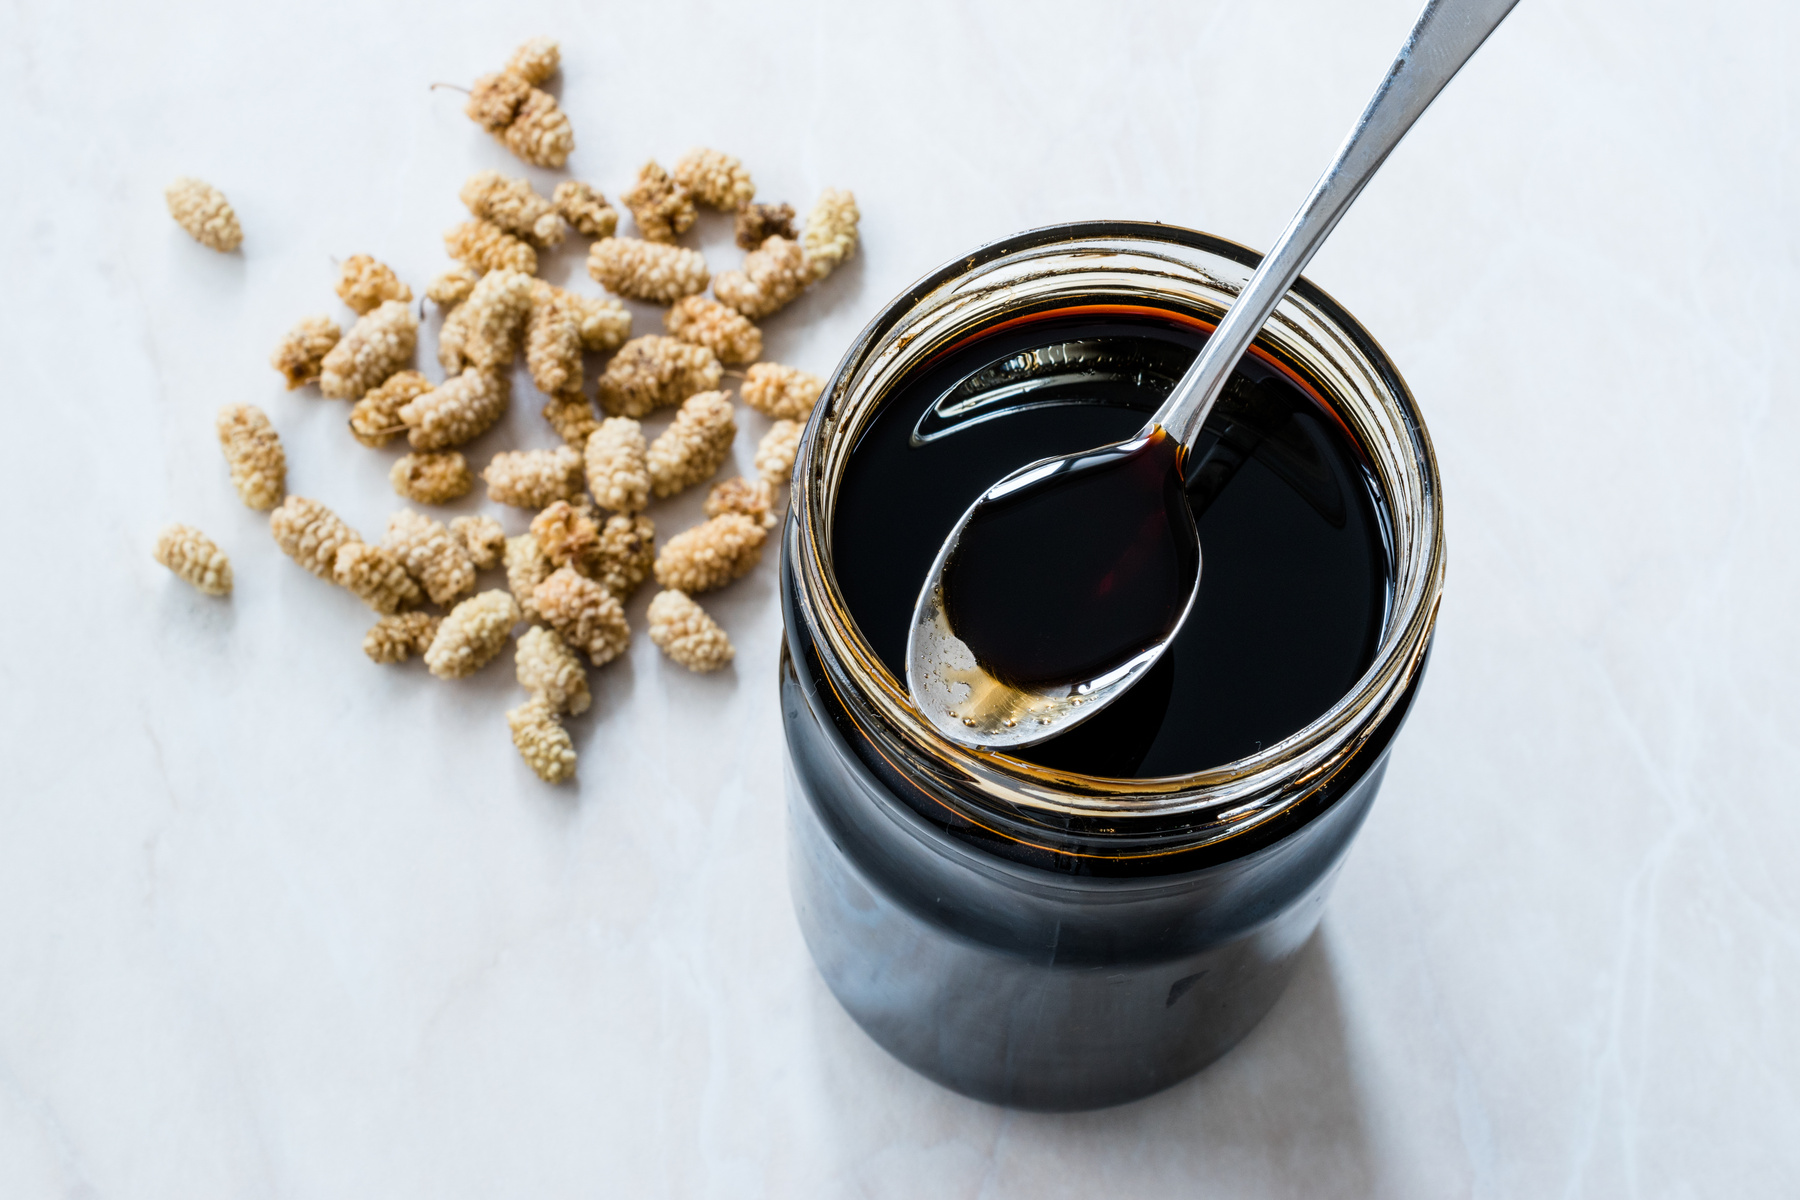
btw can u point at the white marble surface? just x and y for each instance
(275, 922)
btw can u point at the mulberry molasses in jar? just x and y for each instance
(1087, 921)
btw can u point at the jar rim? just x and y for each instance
(1219, 801)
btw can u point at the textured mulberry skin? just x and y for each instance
(453, 286)
(431, 476)
(195, 558)
(472, 635)
(487, 247)
(453, 340)
(365, 284)
(758, 223)
(572, 416)
(685, 632)
(785, 393)
(549, 670)
(773, 275)
(647, 270)
(378, 345)
(535, 61)
(604, 323)
(310, 534)
(754, 498)
(711, 554)
(553, 342)
(651, 372)
(715, 178)
(542, 741)
(705, 322)
(618, 467)
(830, 237)
(567, 536)
(585, 209)
(495, 100)
(300, 355)
(626, 556)
(514, 206)
(694, 445)
(776, 452)
(526, 567)
(456, 411)
(493, 317)
(376, 576)
(430, 555)
(482, 539)
(661, 207)
(541, 133)
(202, 210)
(587, 616)
(398, 637)
(253, 453)
(375, 421)
(533, 478)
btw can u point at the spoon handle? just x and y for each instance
(1446, 35)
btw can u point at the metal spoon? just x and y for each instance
(949, 685)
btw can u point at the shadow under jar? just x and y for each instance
(1090, 920)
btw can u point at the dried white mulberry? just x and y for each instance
(253, 453)
(572, 416)
(647, 270)
(376, 576)
(549, 670)
(754, 498)
(774, 274)
(541, 133)
(430, 555)
(376, 346)
(453, 286)
(567, 535)
(585, 208)
(533, 478)
(650, 372)
(776, 452)
(535, 60)
(482, 538)
(431, 476)
(457, 410)
(626, 555)
(493, 317)
(588, 616)
(375, 420)
(785, 393)
(711, 554)
(526, 567)
(202, 210)
(618, 470)
(475, 631)
(685, 632)
(705, 322)
(757, 223)
(542, 741)
(661, 206)
(194, 557)
(552, 342)
(399, 636)
(604, 322)
(364, 284)
(514, 206)
(830, 236)
(694, 445)
(495, 100)
(485, 246)
(310, 534)
(715, 178)
(300, 355)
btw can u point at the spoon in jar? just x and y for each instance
(1105, 607)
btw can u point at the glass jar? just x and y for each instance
(1040, 938)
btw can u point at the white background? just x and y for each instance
(275, 922)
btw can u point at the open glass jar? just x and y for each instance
(1038, 937)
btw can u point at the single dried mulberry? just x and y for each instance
(776, 452)
(618, 469)
(694, 445)
(431, 476)
(785, 393)
(685, 632)
(661, 207)
(542, 741)
(300, 355)
(376, 576)
(715, 178)
(588, 616)
(568, 536)
(626, 556)
(453, 286)
(535, 61)
(650, 372)
(430, 555)
(378, 345)
(399, 636)
(365, 284)
(705, 322)
(482, 538)
(310, 534)
(533, 478)
(647, 270)
(457, 410)
(541, 133)
(830, 236)
(254, 454)
(774, 273)
(495, 100)
(202, 210)
(493, 317)
(514, 206)
(485, 246)
(194, 557)
(549, 670)
(375, 420)
(526, 567)
(758, 223)
(475, 631)
(754, 498)
(552, 342)
(711, 554)
(585, 209)
(572, 416)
